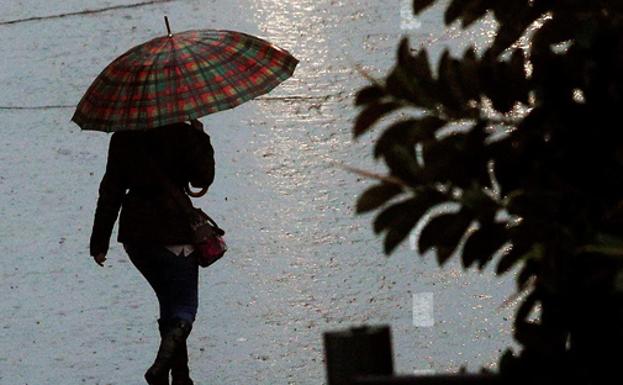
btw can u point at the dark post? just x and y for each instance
(358, 351)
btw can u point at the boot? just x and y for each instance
(180, 373)
(179, 369)
(163, 328)
(171, 341)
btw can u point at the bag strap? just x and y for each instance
(180, 198)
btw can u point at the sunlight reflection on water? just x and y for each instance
(290, 152)
(299, 134)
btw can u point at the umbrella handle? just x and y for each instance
(197, 194)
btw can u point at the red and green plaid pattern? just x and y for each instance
(174, 79)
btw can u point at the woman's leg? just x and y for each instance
(173, 278)
(185, 307)
(180, 287)
(175, 281)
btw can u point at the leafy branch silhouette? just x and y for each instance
(527, 143)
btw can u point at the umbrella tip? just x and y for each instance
(166, 21)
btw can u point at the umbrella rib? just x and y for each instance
(191, 53)
(202, 73)
(266, 85)
(220, 70)
(173, 82)
(214, 67)
(209, 67)
(181, 78)
(156, 73)
(135, 91)
(113, 100)
(126, 119)
(270, 81)
(233, 55)
(190, 88)
(98, 86)
(148, 71)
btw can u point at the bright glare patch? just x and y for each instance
(408, 21)
(423, 306)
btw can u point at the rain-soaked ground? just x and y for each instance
(300, 262)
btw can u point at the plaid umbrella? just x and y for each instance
(181, 77)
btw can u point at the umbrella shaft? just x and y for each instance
(166, 21)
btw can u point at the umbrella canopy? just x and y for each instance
(181, 77)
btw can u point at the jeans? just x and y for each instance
(174, 278)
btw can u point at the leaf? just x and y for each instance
(474, 11)
(411, 79)
(517, 71)
(506, 36)
(481, 203)
(403, 224)
(618, 282)
(518, 252)
(543, 204)
(492, 74)
(612, 251)
(404, 53)
(376, 196)
(527, 271)
(482, 243)
(454, 11)
(518, 62)
(457, 158)
(448, 89)
(528, 334)
(408, 133)
(369, 94)
(553, 31)
(444, 232)
(422, 199)
(401, 85)
(403, 164)
(420, 5)
(399, 231)
(605, 244)
(508, 11)
(468, 75)
(514, 18)
(371, 114)
(421, 69)
(507, 362)
(389, 215)
(527, 305)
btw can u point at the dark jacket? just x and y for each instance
(148, 212)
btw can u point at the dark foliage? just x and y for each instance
(553, 168)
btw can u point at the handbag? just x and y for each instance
(208, 237)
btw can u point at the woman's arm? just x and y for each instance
(111, 191)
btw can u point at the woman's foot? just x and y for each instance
(153, 379)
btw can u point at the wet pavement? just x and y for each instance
(300, 262)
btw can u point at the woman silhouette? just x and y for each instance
(155, 233)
